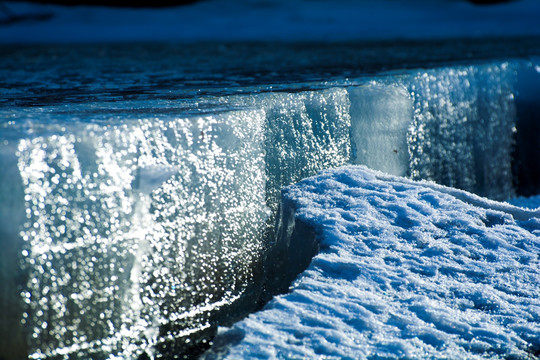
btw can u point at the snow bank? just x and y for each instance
(405, 270)
(273, 20)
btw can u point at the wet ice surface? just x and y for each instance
(405, 270)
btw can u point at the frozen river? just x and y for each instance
(140, 183)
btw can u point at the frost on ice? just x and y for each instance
(405, 270)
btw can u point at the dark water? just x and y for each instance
(50, 74)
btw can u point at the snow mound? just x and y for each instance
(405, 270)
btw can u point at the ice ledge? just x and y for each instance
(405, 270)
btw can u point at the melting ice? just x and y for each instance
(135, 234)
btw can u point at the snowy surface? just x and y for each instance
(279, 20)
(406, 270)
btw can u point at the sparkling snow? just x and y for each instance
(406, 270)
